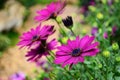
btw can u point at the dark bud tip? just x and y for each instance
(68, 22)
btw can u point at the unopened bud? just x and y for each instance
(64, 40)
(100, 16)
(59, 19)
(100, 65)
(115, 46)
(106, 53)
(117, 58)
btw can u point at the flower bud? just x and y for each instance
(117, 59)
(100, 65)
(115, 46)
(59, 19)
(84, 31)
(100, 30)
(95, 24)
(94, 31)
(64, 39)
(100, 16)
(116, 1)
(106, 53)
(68, 22)
(92, 8)
(104, 1)
(105, 35)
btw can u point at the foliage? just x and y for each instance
(8, 38)
(103, 15)
(29, 3)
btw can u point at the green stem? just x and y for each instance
(47, 50)
(61, 28)
(48, 59)
(72, 32)
(52, 53)
(68, 72)
(88, 71)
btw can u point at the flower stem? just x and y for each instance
(88, 71)
(52, 53)
(72, 32)
(68, 72)
(48, 59)
(61, 28)
(47, 50)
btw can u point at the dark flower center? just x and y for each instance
(76, 52)
(35, 38)
(54, 15)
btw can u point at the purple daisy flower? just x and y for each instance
(42, 49)
(46, 78)
(51, 11)
(105, 35)
(34, 36)
(18, 76)
(75, 50)
(94, 31)
(44, 65)
(114, 29)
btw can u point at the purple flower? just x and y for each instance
(94, 31)
(35, 36)
(105, 35)
(110, 2)
(114, 29)
(42, 49)
(51, 11)
(85, 6)
(75, 50)
(46, 78)
(92, 2)
(83, 9)
(18, 76)
(44, 65)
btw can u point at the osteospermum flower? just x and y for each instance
(105, 35)
(44, 65)
(75, 51)
(51, 11)
(94, 31)
(34, 36)
(114, 30)
(18, 76)
(42, 49)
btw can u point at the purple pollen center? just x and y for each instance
(76, 52)
(35, 38)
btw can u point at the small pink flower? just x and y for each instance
(105, 35)
(75, 50)
(18, 76)
(51, 11)
(94, 31)
(114, 30)
(35, 36)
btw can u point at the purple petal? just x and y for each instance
(92, 52)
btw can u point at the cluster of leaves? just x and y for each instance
(2, 2)
(104, 15)
(104, 66)
(8, 38)
(28, 3)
